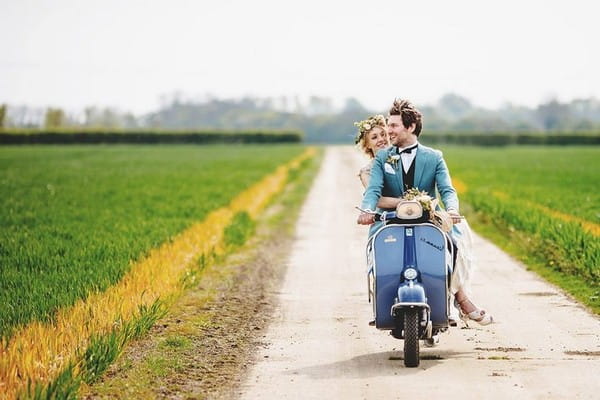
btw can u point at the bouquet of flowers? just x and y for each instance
(440, 218)
(426, 201)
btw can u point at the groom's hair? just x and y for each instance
(409, 113)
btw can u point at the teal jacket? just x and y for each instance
(431, 173)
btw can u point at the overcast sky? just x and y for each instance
(126, 53)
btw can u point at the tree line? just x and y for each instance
(318, 117)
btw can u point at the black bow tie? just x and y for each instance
(407, 151)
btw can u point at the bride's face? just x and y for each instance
(376, 140)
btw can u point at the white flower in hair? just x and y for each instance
(367, 124)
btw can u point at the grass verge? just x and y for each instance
(202, 347)
(534, 253)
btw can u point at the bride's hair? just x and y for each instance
(409, 113)
(364, 128)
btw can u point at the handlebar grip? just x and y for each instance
(385, 216)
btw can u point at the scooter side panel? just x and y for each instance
(432, 262)
(388, 254)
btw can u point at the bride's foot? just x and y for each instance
(467, 311)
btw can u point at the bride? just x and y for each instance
(371, 137)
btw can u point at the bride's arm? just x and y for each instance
(364, 176)
(384, 202)
(388, 202)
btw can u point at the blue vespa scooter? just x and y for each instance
(410, 264)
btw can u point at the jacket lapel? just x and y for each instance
(398, 168)
(420, 161)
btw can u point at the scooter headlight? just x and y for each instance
(409, 209)
(410, 273)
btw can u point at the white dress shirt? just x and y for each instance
(408, 158)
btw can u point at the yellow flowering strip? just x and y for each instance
(40, 351)
(459, 185)
(591, 227)
(587, 225)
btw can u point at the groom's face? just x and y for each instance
(397, 132)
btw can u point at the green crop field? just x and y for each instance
(73, 218)
(548, 197)
(565, 179)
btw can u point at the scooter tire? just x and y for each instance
(411, 338)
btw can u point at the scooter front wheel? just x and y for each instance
(411, 338)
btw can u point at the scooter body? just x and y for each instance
(410, 265)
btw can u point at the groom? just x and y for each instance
(407, 164)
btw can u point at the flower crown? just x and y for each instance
(366, 125)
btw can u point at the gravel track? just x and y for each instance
(543, 345)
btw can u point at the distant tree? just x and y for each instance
(352, 105)
(55, 118)
(2, 116)
(95, 117)
(89, 116)
(454, 105)
(249, 103)
(25, 117)
(480, 124)
(283, 103)
(553, 115)
(432, 120)
(298, 107)
(584, 125)
(586, 109)
(112, 118)
(129, 121)
(268, 103)
(319, 105)
(519, 118)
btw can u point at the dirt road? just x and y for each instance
(543, 345)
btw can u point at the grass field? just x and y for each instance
(564, 179)
(74, 218)
(542, 202)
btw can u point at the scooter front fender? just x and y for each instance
(411, 293)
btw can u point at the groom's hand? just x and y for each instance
(366, 219)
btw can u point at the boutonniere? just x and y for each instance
(393, 160)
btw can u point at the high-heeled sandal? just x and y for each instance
(477, 315)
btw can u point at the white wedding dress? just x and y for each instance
(465, 260)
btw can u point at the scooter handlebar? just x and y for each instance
(387, 215)
(384, 216)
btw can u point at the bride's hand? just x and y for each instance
(455, 216)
